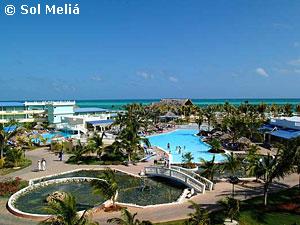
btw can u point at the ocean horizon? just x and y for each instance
(119, 103)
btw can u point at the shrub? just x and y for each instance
(2, 162)
(11, 186)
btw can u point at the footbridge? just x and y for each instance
(181, 175)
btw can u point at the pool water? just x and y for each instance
(188, 141)
(50, 136)
(35, 201)
(140, 191)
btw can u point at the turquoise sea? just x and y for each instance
(118, 104)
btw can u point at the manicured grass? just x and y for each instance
(254, 213)
(283, 208)
(177, 222)
(5, 171)
(272, 218)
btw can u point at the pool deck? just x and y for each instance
(155, 214)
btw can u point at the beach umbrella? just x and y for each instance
(225, 137)
(244, 141)
(217, 134)
(38, 127)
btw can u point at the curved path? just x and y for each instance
(155, 214)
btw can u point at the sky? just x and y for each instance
(152, 49)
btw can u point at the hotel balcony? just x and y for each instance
(22, 112)
(25, 120)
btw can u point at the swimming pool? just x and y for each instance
(50, 136)
(186, 139)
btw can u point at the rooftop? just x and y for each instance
(89, 110)
(11, 104)
(98, 122)
(291, 119)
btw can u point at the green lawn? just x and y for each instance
(283, 209)
(254, 213)
(5, 171)
(177, 222)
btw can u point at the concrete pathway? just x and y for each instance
(158, 213)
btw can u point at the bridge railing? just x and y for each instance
(179, 175)
(208, 184)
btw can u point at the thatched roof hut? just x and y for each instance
(174, 102)
(225, 137)
(244, 141)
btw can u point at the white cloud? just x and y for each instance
(173, 79)
(96, 78)
(296, 44)
(295, 62)
(282, 26)
(145, 75)
(262, 72)
(62, 87)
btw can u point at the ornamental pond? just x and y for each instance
(133, 190)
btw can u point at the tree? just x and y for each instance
(231, 207)
(107, 186)
(199, 119)
(209, 113)
(215, 144)
(14, 156)
(209, 168)
(187, 158)
(251, 160)
(298, 109)
(6, 135)
(272, 167)
(128, 219)
(232, 164)
(64, 212)
(78, 151)
(200, 216)
(132, 121)
(95, 143)
(288, 110)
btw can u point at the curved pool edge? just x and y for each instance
(13, 198)
(181, 199)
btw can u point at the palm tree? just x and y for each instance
(232, 164)
(5, 136)
(199, 217)
(78, 151)
(231, 206)
(64, 212)
(199, 119)
(298, 109)
(15, 156)
(251, 160)
(209, 113)
(209, 168)
(272, 167)
(288, 110)
(128, 219)
(107, 186)
(130, 141)
(187, 158)
(95, 143)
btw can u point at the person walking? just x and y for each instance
(43, 164)
(60, 155)
(39, 166)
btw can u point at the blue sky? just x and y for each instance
(152, 49)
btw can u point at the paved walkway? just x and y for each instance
(155, 214)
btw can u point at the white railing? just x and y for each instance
(208, 184)
(177, 175)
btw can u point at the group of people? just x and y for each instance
(41, 165)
